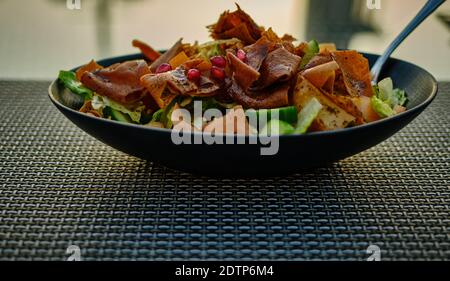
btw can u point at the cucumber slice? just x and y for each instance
(117, 115)
(277, 128)
(308, 114)
(286, 114)
(311, 50)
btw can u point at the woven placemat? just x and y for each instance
(60, 187)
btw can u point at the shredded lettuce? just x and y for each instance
(156, 117)
(166, 115)
(308, 114)
(386, 98)
(381, 108)
(208, 103)
(212, 48)
(68, 78)
(101, 102)
(388, 94)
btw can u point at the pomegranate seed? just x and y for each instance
(193, 74)
(164, 68)
(241, 55)
(219, 61)
(217, 73)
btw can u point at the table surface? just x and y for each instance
(61, 187)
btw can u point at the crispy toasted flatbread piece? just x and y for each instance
(331, 117)
(355, 69)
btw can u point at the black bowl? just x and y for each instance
(294, 154)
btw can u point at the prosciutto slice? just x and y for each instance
(164, 87)
(319, 59)
(257, 52)
(265, 99)
(244, 74)
(279, 66)
(120, 82)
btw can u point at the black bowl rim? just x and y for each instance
(418, 107)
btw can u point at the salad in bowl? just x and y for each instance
(247, 81)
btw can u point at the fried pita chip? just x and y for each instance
(356, 72)
(331, 117)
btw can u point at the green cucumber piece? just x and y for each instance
(117, 115)
(279, 128)
(311, 50)
(308, 114)
(287, 114)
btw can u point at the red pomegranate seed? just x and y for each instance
(219, 61)
(217, 73)
(241, 55)
(164, 68)
(193, 74)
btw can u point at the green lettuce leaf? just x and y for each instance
(212, 48)
(381, 108)
(386, 92)
(101, 102)
(156, 117)
(386, 98)
(68, 78)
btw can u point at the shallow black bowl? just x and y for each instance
(295, 152)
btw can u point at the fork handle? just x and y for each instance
(427, 10)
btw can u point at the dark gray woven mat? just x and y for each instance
(60, 187)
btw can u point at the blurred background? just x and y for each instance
(40, 37)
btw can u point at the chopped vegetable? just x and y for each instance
(287, 114)
(213, 48)
(212, 103)
(166, 116)
(156, 117)
(277, 128)
(99, 103)
(116, 115)
(388, 94)
(178, 60)
(308, 114)
(68, 78)
(381, 108)
(386, 98)
(311, 50)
